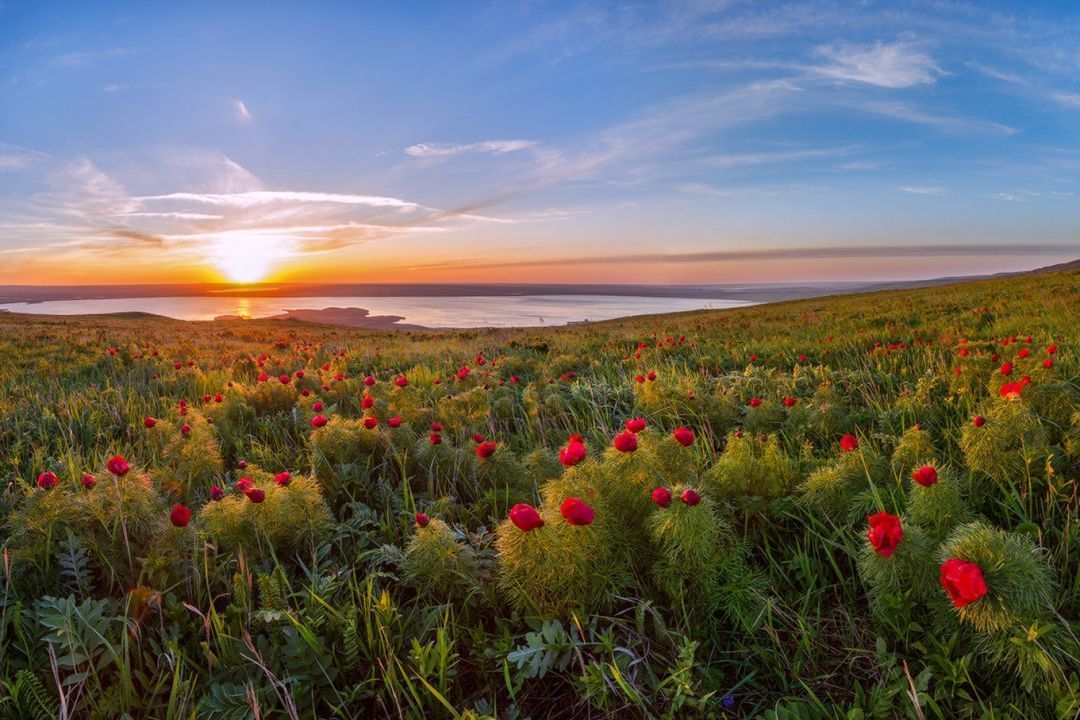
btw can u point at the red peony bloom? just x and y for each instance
(216, 493)
(401, 381)
(789, 401)
(690, 497)
(47, 480)
(436, 427)
(573, 453)
(180, 515)
(369, 381)
(755, 402)
(319, 421)
(89, 481)
(367, 402)
(651, 375)
(371, 422)
(317, 406)
(256, 495)
(1048, 363)
(1011, 390)
(118, 466)
(577, 512)
(626, 442)
(635, 425)
(525, 517)
(963, 581)
(485, 450)
(1051, 349)
(885, 533)
(639, 379)
(661, 496)
(241, 464)
(284, 379)
(422, 520)
(149, 422)
(283, 479)
(185, 430)
(926, 475)
(849, 442)
(477, 438)
(978, 421)
(435, 438)
(263, 377)
(1023, 353)
(244, 484)
(684, 436)
(1006, 369)
(394, 422)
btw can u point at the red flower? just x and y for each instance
(185, 430)
(180, 515)
(1051, 349)
(978, 421)
(216, 493)
(485, 450)
(577, 512)
(849, 442)
(573, 453)
(639, 379)
(284, 379)
(263, 377)
(89, 481)
(367, 402)
(885, 533)
(1011, 390)
(369, 381)
(317, 406)
(436, 427)
(319, 421)
(789, 401)
(149, 422)
(963, 581)
(283, 479)
(626, 442)
(755, 402)
(690, 497)
(477, 438)
(651, 375)
(525, 517)
(371, 422)
(244, 484)
(926, 475)
(1006, 369)
(684, 436)
(118, 466)
(401, 381)
(394, 422)
(241, 464)
(635, 425)
(1023, 353)
(422, 520)
(256, 495)
(1048, 363)
(435, 438)
(661, 496)
(47, 480)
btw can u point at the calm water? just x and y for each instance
(456, 312)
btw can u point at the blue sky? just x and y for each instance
(582, 142)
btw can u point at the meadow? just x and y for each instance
(850, 507)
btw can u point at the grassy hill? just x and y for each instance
(858, 506)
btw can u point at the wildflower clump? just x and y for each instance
(439, 564)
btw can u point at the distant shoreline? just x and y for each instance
(748, 292)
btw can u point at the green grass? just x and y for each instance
(764, 600)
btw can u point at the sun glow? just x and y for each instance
(246, 256)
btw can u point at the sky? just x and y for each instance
(710, 141)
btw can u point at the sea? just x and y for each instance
(433, 312)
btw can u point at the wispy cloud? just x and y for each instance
(87, 58)
(922, 189)
(244, 200)
(442, 150)
(895, 65)
(241, 112)
(762, 158)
